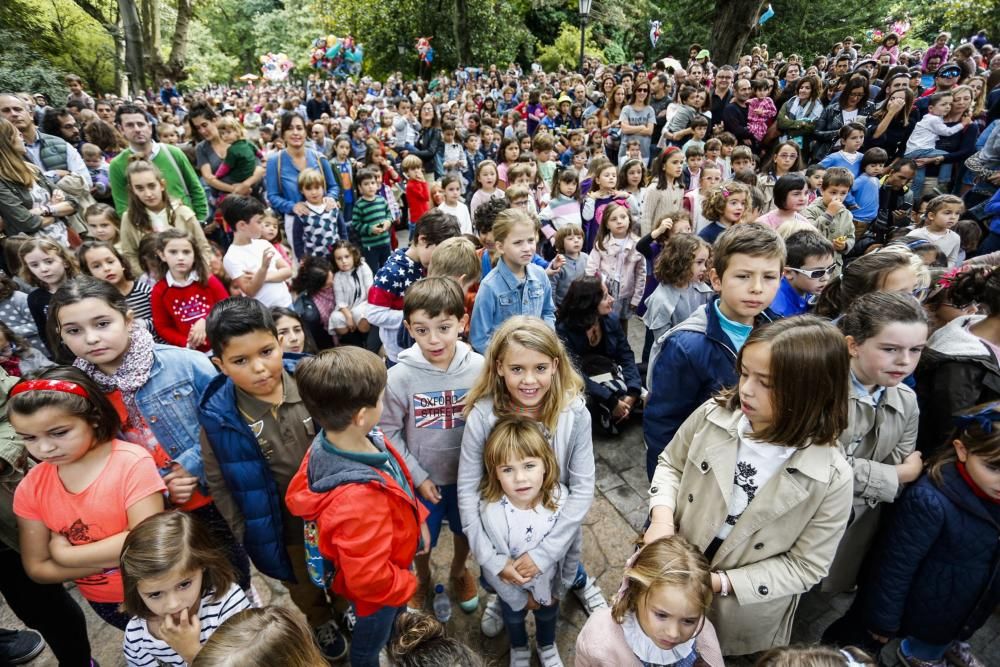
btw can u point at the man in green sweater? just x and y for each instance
(182, 181)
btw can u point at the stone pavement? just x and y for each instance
(610, 530)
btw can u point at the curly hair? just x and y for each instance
(714, 204)
(578, 309)
(312, 276)
(675, 263)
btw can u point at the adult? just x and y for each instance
(59, 122)
(841, 65)
(959, 146)
(182, 181)
(601, 350)
(25, 204)
(104, 136)
(722, 95)
(889, 127)
(945, 79)
(789, 75)
(106, 111)
(798, 116)
(284, 167)
(317, 106)
(211, 151)
(637, 121)
(429, 142)
(734, 116)
(323, 143)
(659, 100)
(52, 154)
(851, 106)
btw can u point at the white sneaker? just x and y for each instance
(521, 657)
(492, 621)
(549, 656)
(590, 596)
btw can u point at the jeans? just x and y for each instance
(921, 650)
(376, 256)
(371, 634)
(545, 624)
(917, 186)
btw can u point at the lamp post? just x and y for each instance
(584, 14)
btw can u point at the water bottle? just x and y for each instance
(442, 605)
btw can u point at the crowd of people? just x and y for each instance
(301, 328)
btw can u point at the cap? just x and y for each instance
(703, 54)
(949, 70)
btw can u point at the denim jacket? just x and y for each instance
(501, 295)
(169, 402)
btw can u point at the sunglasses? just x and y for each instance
(815, 274)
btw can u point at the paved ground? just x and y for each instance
(609, 532)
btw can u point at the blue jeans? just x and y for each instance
(917, 186)
(545, 624)
(446, 508)
(371, 634)
(921, 650)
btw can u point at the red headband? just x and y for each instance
(64, 386)
(670, 150)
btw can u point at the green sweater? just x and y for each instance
(367, 214)
(241, 158)
(182, 180)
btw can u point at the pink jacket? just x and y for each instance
(629, 270)
(601, 642)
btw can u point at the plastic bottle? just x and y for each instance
(442, 605)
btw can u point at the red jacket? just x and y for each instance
(369, 527)
(418, 198)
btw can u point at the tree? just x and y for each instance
(22, 68)
(565, 51)
(734, 21)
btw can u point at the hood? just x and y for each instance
(414, 358)
(955, 488)
(955, 340)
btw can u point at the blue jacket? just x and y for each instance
(247, 474)
(501, 295)
(688, 365)
(283, 193)
(788, 302)
(937, 574)
(614, 346)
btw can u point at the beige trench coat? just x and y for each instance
(184, 220)
(783, 543)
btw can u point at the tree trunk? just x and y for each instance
(133, 46)
(460, 24)
(179, 41)
(733, 23)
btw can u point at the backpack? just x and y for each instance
(321, 570)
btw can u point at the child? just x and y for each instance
(865, 191)
(668, 195)
(372, 220)
(711, 177)
(270, 231)
(452, 154)
(420, 639)
(485, 185)
(358, 490)
(808, 267)
(149, 262)
(852, 136)
(351, 284)
(694, 160)
(723, 208)
(742, 158)
(680, 268)
(152, 210)
(75, 508)
(942, 213)
(790, 197)
(933, 580)
(521, 501)
(453, 205)
(563, 209)
(101, 260)
(418, 198)
(619, 264)
(543, 145)
(17, 357)
(602, 193)
(885, 334)
(385, 297)
(241, 157)
(45, 265)
(520, 177)
(315, 232)
(179, 588)
(508, 153)
(658, 616)
(760, 109)
(569, 244)
(632, 180)
(892, 269)
(926, 133)
(269, 636)
(772, 423)
(250, 261)
(93, 158)
(699, 128)
(424, 400)
(257, 427)
(103, 223)
(181, 300)
(292, 333)
(344, 170)
(831, 216)
(814, 177)
(14, 312)
(516, 286)
(695, 359)
(473, 158)
(713, 154)
(535, 378)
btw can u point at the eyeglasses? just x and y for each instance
(815, 274)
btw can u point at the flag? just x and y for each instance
(768, 13)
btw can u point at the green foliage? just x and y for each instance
(22, 69)
(291, 31)
(565, 51)
(614, 53)
(206, 63)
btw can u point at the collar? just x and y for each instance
(508, 276)
(255, 408)
(873, 398)
(172, 282)
(646, 650)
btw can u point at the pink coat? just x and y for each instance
(601, 642)
(632, 276)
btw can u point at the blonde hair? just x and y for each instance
(668, 561)
(12, 167)
(411, 162)
(814, 656)
(455, 257)
(261, 638)
(794, 225)
(714, 203)
(510, 217)
(49, 247)
(311, 178)
(533, 334)
(229, 123)
(514, 438)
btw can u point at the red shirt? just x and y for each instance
(418, 198)
(176, 309)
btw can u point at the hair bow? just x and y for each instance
(725, 193)
(984, 418)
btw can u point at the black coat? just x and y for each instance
(614, 346)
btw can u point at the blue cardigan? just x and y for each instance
(283, 196)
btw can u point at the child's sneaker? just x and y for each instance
(590, 596)
(549, 656)
(418, 600)
(492, 621)
(332, 643)
(520, 657)
(466, 591)
(910, 661)
(960, 654)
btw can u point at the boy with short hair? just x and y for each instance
(317, 231)
(542, 145)
(77, 93)
(473, 156)
(807, 271)
(418, 195)
(372, 219)
(741, 158)
(695, 359)
(358, 490)
(694, 159)
(402, 269)
(576, 140)
(423, 416)
(251, 262)
(699, 128)
(257, 429)
(830, 214)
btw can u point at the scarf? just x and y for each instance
(976, 489)
(131, 375)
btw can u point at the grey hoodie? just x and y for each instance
(422, 411)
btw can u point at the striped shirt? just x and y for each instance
(142, 649)
(367, 214)
(138, 303)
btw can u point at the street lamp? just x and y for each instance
(584, 15)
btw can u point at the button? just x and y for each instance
(704, 466)
(654, 489)
(793, 470)
(690, 498)
(152, 420)
(758, 546)
(762, 590)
